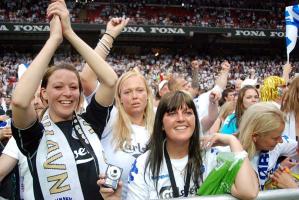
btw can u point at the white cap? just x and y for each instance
(162, 84)
(249, 81)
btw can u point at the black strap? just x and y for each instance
(171, 176)
(84, 141)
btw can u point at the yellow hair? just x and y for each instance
(269, 90)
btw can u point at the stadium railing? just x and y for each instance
(279, 194)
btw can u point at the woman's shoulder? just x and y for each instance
(231, 116)
(229, 124)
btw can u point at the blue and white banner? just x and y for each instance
(292, 24)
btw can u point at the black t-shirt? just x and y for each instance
(28, 140)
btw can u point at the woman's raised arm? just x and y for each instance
(104, 72)
(22, 109)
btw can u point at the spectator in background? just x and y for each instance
(226, 109)
(12, 157)
(162, 90)
(7, 180)
(248, 96)
(238, 83)
(248, 81)
(273, 89)
(228, 95)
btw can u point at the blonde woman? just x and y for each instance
(127, 133)
(260, 133)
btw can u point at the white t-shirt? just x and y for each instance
(142, 183)
(290, 126)
(290, 131)
(202, 102)
(287, 148)
(87, 99)
(26, 184)
(125, 156)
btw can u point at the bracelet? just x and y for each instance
(109, 35)
(108, 44)
(106, 47)
(106, 51)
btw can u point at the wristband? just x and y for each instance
(109, 35)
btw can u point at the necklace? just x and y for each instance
(182, 171)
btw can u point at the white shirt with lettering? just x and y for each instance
(126, 155)
(142, 183)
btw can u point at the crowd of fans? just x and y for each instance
(204, 13)
(154, 68)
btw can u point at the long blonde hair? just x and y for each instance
(226, 109)
(290, 101)
(122, 127)
(260, 118)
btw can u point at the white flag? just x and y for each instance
(292, 24)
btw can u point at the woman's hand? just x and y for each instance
(214, 97)
(5, 133)
(225, 66)
(116, 25)
(109, 193)
(282, 179)
(58, 7)
(288, 163)
(55, 30)
(217, 139)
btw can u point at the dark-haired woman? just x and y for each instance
(175, 165)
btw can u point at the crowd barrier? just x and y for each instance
(282, 194)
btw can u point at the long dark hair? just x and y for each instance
(173, 101)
